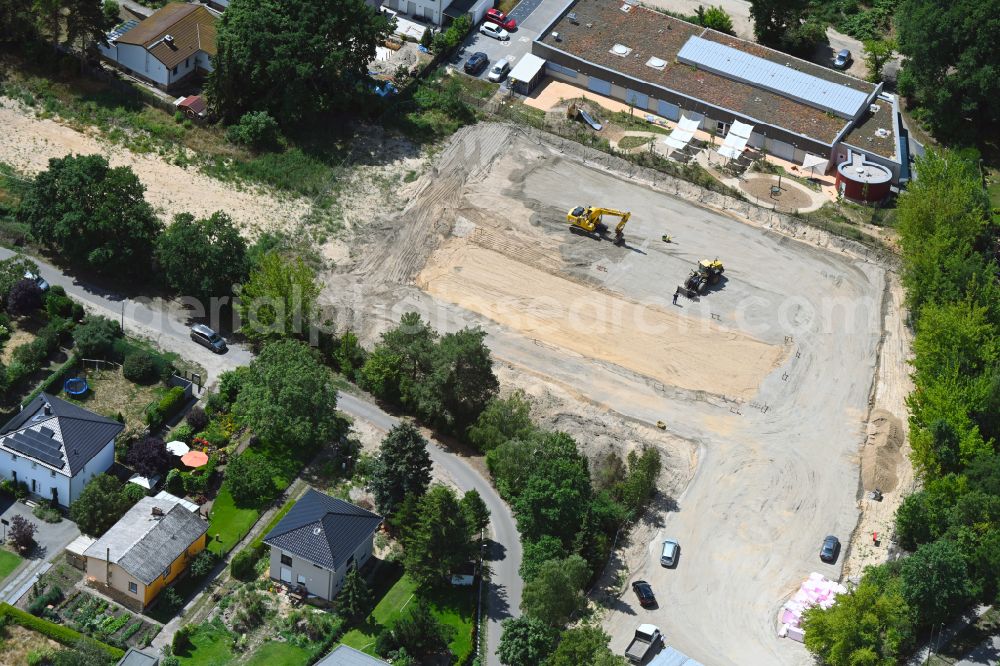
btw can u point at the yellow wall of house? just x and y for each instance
(176, 568)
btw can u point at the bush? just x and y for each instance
(133, 492)
(161, 412)
(51, 596)
(139, 367)
(170, 601)
(256, 129)
(203, 564)
(197, 419)
(243, 565)
(48, 512)
(95, 337)
(182, 432)
(182, 640)
(450, 38)
(58, 304)
(175, 482)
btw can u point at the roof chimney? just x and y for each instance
(157, 512)
(47, 409)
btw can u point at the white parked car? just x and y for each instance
(494, 31)
(499, 70)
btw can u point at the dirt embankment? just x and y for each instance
(27, 143)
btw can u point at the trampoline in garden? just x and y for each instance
(76, 386)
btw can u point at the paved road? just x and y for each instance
(986, 654)
(166, 324)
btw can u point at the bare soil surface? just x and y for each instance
(763, 384)
(27, 143)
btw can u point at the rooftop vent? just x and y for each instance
(573, 19)
(874, 108)
(626, 8)
(882, 132)
(555, 36)
(47, 409)
(656, 63)
(317, 531)
(620, 50)
(169, 39)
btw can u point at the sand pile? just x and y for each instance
(881, 454)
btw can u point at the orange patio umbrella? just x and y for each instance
(194, 458)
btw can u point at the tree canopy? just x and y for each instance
(287, 396)
(278, 299)
(525, 641)
(249, 480)
(503, 419)
(148, 456)
(402, 468)
(202, 258)
(437, 542)
(92, 215)
(951, 69)
(99, 506)
(585, 645)
(314, 58)
(556, 592)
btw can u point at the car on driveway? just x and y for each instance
(644, 591)
(501, 19)
(843, 59)
(476, 63)
(669, 553)
(499, 71)
(830, 549)
(494, 31)
(206, 337)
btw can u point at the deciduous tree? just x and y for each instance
(249, 480)
(149, 456)
(584, 645)
(936, 581)
(556, 592)
(314, 60)
(92, 215)
(202, 258)
(877, 53)
(99, 506)
(287, 397)
(24, 298)
(22, 534)
(278, 299)
(502, 419)
(526, 641)
(716, 18)
(475, 511)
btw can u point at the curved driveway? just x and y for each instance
(168, 329)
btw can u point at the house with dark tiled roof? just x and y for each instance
(55, 447)
(146, 550)
(668, 67)
(166, 49)
(318, 541)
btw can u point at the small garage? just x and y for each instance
(526, 74)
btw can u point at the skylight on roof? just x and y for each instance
(657, 63)
(620, 50)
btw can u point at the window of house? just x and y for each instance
(52, 473)
(286, 560)
(187, 63)
(301, 579)
(174, 70)
(133, 588)
(34, 465)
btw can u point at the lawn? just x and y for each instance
(279, 654)
(453, 607)
(110, 394)
(228, 523)
(8, 562)
(212, 645)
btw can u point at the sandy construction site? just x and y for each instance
(763, 384)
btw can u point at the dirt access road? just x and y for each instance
(763, 384)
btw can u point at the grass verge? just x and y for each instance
(279, 654)
(227, 523)
(8, 562)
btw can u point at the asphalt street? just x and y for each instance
(164, 322)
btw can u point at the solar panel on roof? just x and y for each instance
(732, 63)
(121, 30)
(37, 446)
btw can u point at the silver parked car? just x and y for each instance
(669, 553)
(843, 59)
(206, 337)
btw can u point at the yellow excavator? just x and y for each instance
(588, 218)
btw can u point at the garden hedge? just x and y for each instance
(61, 374)
(170, 404)
(56, 632)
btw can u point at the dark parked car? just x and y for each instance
(843, 59)
(476, 63)
(830, 549)
(206, 337)
(644, 591)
